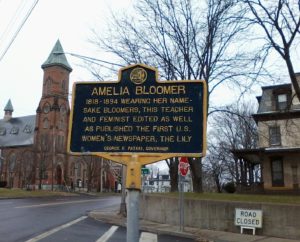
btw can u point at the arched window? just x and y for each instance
(63, 85)
(48, 85)
(72, 169)
(12, 162)
(46, 123)
(61, 124)
(63, 110)
(78, 169)
(46, 108)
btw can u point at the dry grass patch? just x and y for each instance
(261, 198)
(16, 193)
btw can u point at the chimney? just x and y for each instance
(8, 110)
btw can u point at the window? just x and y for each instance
(59, 144)
(45, 123)
(282, 102)
(274, 135)
(277, 172)
(72, 170)
(46, 108)
(78, 172)
(63, 109)
(63, 85)
(27, 129)
(12, 162)
(14, 130)
(48, 85)
(61, 124)
(2, 131)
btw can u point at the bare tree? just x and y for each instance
(279, 21)
(27, 169)
(215, 165)
(43, 148)
(93, 169)
(232, 128)
(184, 39)
(173, 170)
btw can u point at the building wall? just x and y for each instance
(50, 164)
(291, 171)
(17, 168)
(289, 129)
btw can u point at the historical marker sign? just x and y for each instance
(139, 115)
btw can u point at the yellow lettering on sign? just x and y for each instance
(93, 138)
(168, 89)
(92, 110)
(110, 91)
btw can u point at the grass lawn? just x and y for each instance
(283, 199)
(13, 193)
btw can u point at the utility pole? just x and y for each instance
(123, 210)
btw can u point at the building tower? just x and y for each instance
(52, 115)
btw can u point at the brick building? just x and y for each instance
(34, 148)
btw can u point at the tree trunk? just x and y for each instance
(173, 169)
(293, 77)
(196, 172)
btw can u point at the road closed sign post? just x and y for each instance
(138, 120)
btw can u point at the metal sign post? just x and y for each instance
(181, 204)
(183, 168)
(133, 184)
(136, 121)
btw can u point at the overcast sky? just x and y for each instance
(69, 21)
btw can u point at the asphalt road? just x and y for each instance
(59, 219)
(22, 219)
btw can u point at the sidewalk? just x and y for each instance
(200, 235)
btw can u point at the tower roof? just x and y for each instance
(57, 57)
(9, 106)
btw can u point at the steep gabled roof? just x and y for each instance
(17, 131)
(57, 58)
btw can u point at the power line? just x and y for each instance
(91, 59)
(12, 20)
(19, 29)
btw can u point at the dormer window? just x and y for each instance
(2, 131)
(14, 130)
(27, 129)
(282, 101)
